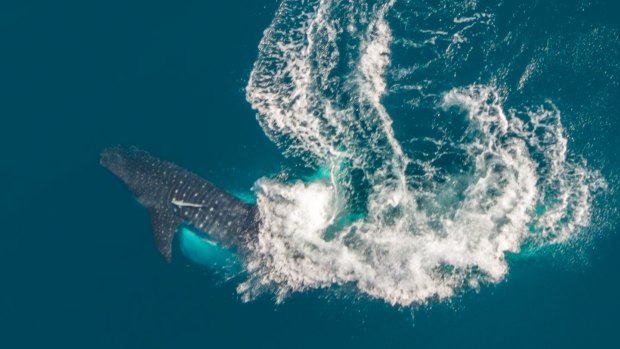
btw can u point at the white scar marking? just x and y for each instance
(210, 242)
(181, 203)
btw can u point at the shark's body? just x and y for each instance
(174, 196)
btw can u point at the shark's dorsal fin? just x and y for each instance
(165, 224)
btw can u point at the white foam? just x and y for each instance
(419, 240)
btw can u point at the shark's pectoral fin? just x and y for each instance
(165, 224)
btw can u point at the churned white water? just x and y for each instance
(317, 87)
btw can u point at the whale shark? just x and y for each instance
(175, 196)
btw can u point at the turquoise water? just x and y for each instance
(420, 87)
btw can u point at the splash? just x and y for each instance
(392, 226)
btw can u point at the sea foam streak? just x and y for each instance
(317, 86)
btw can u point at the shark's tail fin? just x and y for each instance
(131, 165)
(174, 195)
(165, 224)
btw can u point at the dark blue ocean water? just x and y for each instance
(78, 265)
